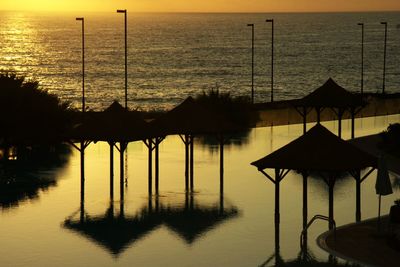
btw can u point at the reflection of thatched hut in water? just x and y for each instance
(116, 232)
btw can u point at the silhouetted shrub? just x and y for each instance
(234, 109)
(29, 115)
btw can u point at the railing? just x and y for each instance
(320, 217)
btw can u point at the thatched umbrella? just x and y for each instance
(333, 96)
(188, 119)
(318, 151)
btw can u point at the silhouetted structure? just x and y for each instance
(333, 96)
(116, 232)
(321, 152)
(189, 119)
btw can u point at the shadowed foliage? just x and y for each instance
(235, 109)
(29, 115)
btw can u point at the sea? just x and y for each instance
(175, 55)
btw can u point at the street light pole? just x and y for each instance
(83, 63)
(272, 58)
(362, 58)
(384, 58)
(124, 11)
(252, 61)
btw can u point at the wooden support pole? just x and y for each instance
(358, 196)
(150, 183)
(331, 184)
(352, 122)
(82, 152)
(111, 171)
(340, 114)
(186, 141)
(156, 164)
(277, 181)
(191, 163)
(318, 115)
(121, 162)
(221, 164)
(304, 120)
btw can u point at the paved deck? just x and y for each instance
(363, 243)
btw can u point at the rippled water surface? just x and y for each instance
(171, 56)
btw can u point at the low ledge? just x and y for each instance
(361, 243)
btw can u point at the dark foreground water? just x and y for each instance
(49, 227)
(171, 56)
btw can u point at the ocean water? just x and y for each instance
(172, 56)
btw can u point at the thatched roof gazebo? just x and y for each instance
(113, 125)
(333, 96)
(319, 152)
(188, 119)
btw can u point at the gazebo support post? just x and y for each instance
(150, 166)
(353, 114)
(111, 170)
(331, 184)
(318, 110)
(122, 147)
(305, 200)
(221, 163)
(340, 115)
(82, 152)
(191, 137)
(304, 120)
(156, 158)
(358, 196)
(186, 142)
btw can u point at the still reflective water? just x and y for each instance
(51, 228)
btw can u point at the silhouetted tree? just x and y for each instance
(29, 115)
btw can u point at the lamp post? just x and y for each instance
(362, 57)
(83, 63)
(82, 148)
(384, 58)
(272, 58)
(252, 61)
(124, 11)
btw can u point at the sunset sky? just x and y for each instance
(203, 5)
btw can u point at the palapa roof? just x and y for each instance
(115, 233)
(190, 117)
(331, 95)
(318, 150)
(118, 233)
(192, 223)
(113, 124)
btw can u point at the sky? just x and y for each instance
(203, 5)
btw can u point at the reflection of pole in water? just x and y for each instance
(271, 139)
(126, 168)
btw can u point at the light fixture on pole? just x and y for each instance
(272, 58)
(252, 61)
(124, 11)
